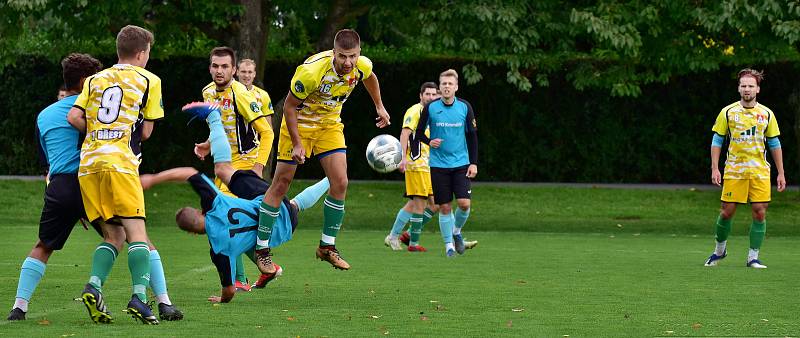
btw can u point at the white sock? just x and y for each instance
(752, 254)
(456, 231)
(393, 236)
(164, 298)
(22, 304)
(720, 248)
(449, 246)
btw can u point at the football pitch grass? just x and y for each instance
(551, 262)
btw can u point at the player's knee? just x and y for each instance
(760, 214)
(464, 205)
(338, 183)
(445, 209)
(41, 251)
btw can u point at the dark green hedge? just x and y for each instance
(554, 134)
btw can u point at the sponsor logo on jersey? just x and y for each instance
(450, 125)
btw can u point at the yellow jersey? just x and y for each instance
(748, 130)
(323, 91)
(263, 100)
(116, 102)
(410, 121)
(238, 108)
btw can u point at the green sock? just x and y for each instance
(139, 265)
(240, 276)
(333, 213)
(427, 215)
(267, 215)
(723, 229)
(102, 262)
(251, 254)
(416, 229)
(757, 232)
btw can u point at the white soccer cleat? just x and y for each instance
(756, 264)
(393, 243)
(470, 244)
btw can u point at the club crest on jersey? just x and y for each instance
(254, 107)
(352, 81)
(298, 86)
(760, 119)
(226, 104)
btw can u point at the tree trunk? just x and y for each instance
(794, 102)
(339, 13)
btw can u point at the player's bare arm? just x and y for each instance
(147, 129)
(374, 89)
(226, 295)
(405, 134)
(290, 116)
(77, 118)
(716, 177)
(777, 156)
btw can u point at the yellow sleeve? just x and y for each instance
(304, 82)
(364, 65)
(154, 108)
(246, 103)
(208, 93)
(721, 125)
(411, 117)
(83, 99)
(772, 126)
(266, 136)
(266, 103)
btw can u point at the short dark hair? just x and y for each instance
(758, 75)
(346, 39)
(76, 67)
(131, 40)
(427, 85)
(223, 51)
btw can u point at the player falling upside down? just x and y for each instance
(312, 126)
(230, 222)
(751, 128)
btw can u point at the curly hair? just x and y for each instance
(76, 67)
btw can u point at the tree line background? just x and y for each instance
(590, 91)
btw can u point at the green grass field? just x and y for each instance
(551, 262)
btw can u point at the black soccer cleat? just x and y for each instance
(141, 311)
(169, 312)
(16, 314)
(93, 300)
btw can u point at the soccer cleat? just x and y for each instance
(93, 300)
(200, 110)
(266, 278)
(451, 253)
(470, 244)
(405, 238)
(16, 314)
(713, 260)
(458, 241)
(264, 261)
(417, 248)
(169, 312)
(242, 287)
(393, 243)
(756, 264)
(329, 254)
(141, 311)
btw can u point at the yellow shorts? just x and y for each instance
(240, 164)
(752, 190)
(418, 184)
(315, 141)
(109, 194)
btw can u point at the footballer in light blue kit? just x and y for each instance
(453, 157)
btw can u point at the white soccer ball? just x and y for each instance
(384, 153)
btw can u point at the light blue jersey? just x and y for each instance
(451, 123)
(60, 142)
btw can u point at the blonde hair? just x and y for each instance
(247, 61)
(449, 72)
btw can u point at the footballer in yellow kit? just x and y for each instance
(116, 102)
(747, 172)
(751, 128)
(323, 93)
(249, 134)
(417, 172)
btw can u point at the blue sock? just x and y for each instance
(29, 277)
(220, 148)
(446, 223)
(157, 281)
(461, 218)
(400, 221)
(308, 197)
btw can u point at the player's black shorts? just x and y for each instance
(448, 182)
(244, 183)
(63, 207)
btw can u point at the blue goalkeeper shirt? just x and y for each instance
(455, 125)
(60, 143)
